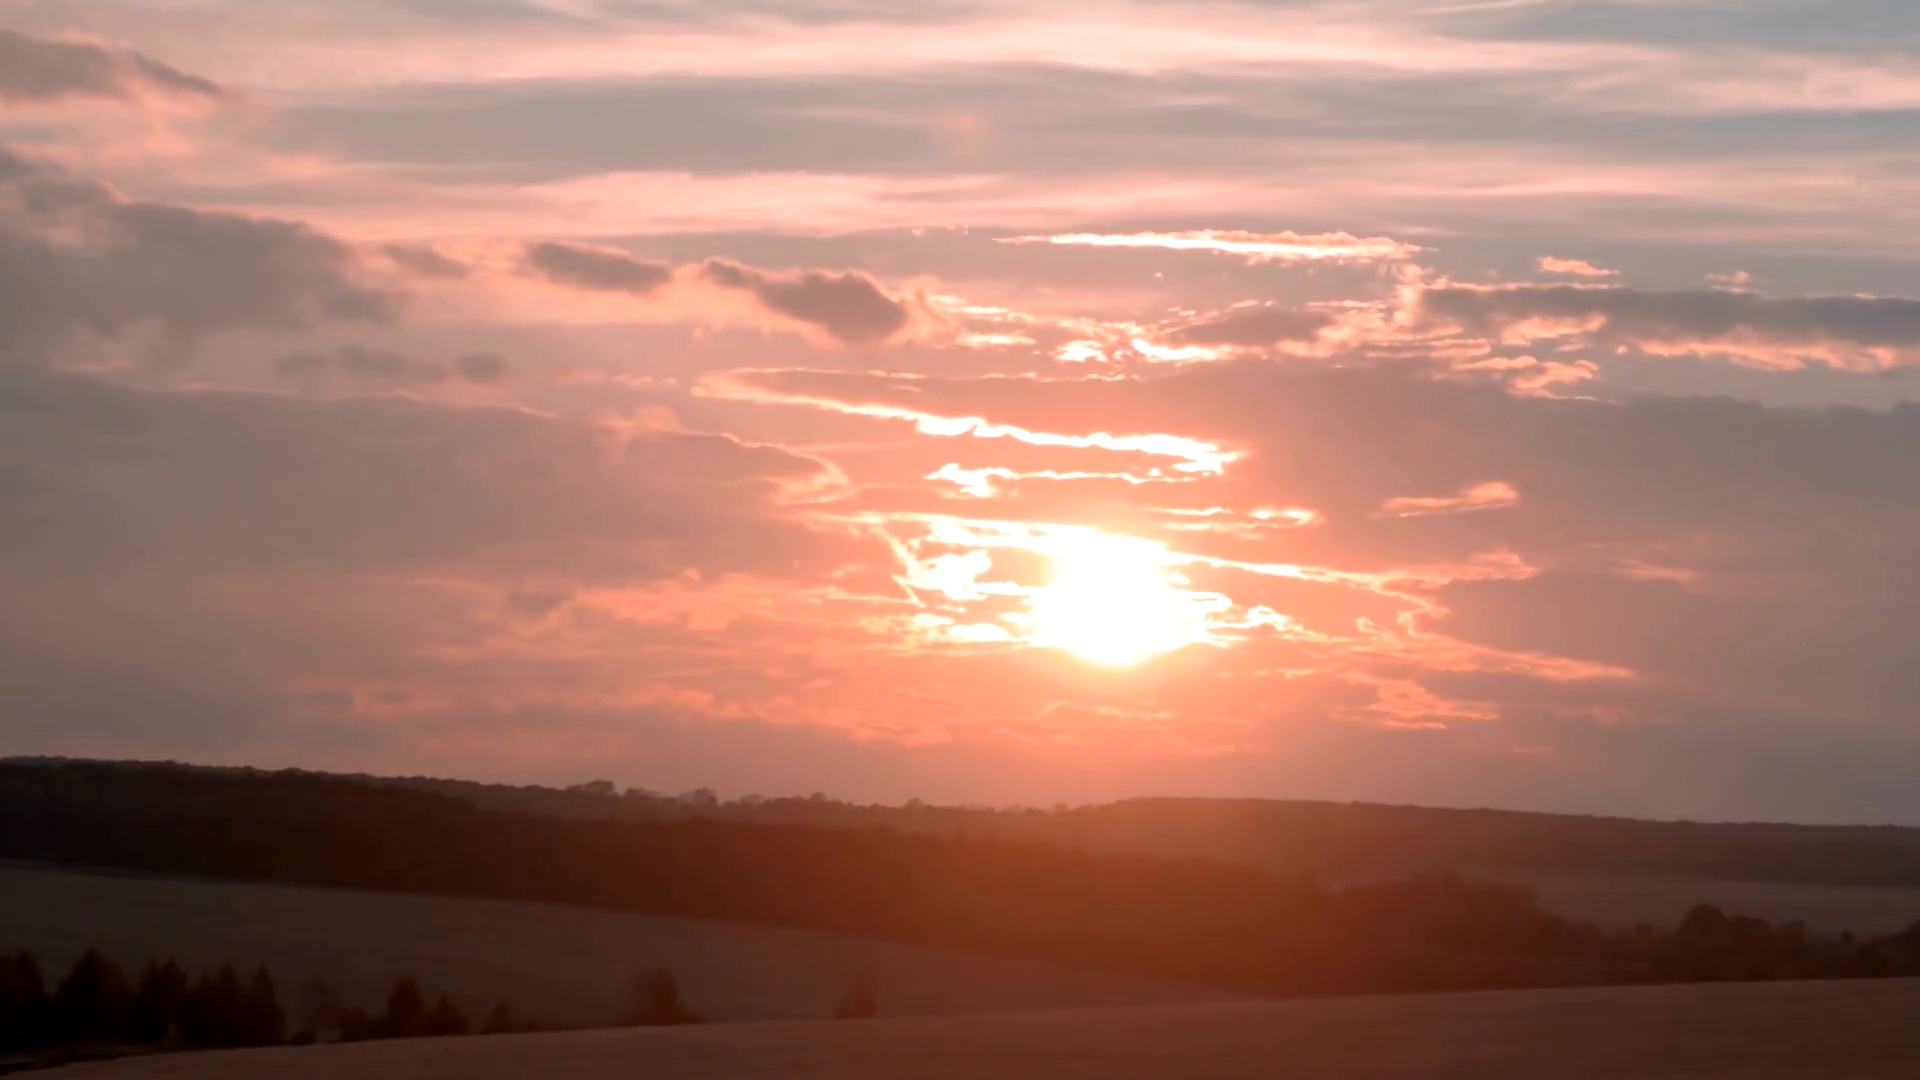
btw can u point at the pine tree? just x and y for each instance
(262, 1023)
(158, 996)
(24, 1006)
(93, 1001)
(499, 1021)
(213, 1014)
(654, 1000)
(406, 1010)
(445, 1018)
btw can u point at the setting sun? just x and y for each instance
(1112, 602)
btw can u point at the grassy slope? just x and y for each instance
(560, 965)
(1752, 1032)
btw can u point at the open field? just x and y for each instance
(559, 965)
(1773, 1031)
(1620, 902)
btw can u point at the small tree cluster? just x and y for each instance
(654, 1000)
(408, 1016)
(95, 1004)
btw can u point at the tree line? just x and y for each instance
(1205, 921)
(97, 1010)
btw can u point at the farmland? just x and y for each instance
(1773, 1031)
(1619, 901)
(560, 965)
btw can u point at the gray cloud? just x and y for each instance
(481, 368)
(164, 483)
(849, 306)
(426, 260)
(189, 272)
(385, 368)
(596, 268)
(1253, 327)
(1697, 320)
(40, 70)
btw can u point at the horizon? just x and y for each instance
(724, 799)
(1472, 406)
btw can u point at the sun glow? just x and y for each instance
(1113, 602)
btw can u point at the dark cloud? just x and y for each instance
(596, 268)
(363, 366)
(160, 483)
(426, 260)
(39, 70)
(849, 306)
(1787, 328)
(188, 272)
(481, 368)
(1253, 327)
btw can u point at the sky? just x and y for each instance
(1462, 402)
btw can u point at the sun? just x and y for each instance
(1112, 601)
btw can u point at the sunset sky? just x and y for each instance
(1466, 402)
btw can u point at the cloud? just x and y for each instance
(1575, 267)
(385, 368)
(38, 70)
(212, 482)
(1491, 495)
(426, 260)
(79, 256)
(850, 307)
(584, 267)
(481, 368)
(1251, 246)
(845, 307)
(1253, 327)
(1856, 332)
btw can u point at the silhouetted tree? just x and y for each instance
(93, 1001)
(213, 1014)
(406, 1010)
(862, 999)
(654, 1000)
(357, 1026)
(445, 1018)
(158, 996)
(24, 1006)
(262, 1023)
(499, 1021)
(317, 1008)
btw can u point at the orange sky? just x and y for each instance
(1474, 404)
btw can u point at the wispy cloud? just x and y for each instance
(1492, 495)
(1253, 247)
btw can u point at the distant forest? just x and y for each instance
(1325, 840)
(1328, 841)
(1206, 921)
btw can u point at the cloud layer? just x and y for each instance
(1490, 404)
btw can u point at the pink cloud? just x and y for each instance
(1492, 495)
(1253, 247)
(1575, 267)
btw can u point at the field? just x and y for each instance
(1773, 1031)
(560, 965)
(1621, 902)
